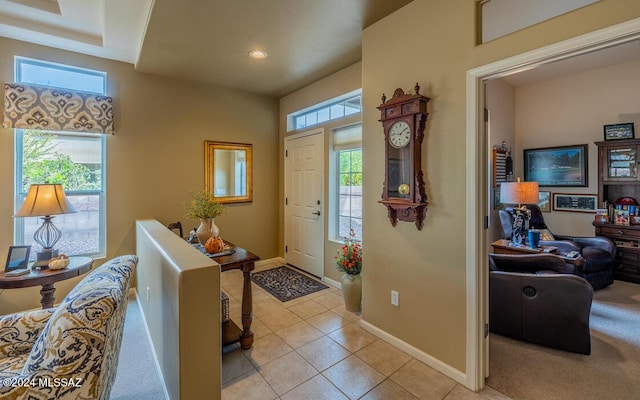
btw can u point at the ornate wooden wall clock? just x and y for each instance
(403, 118)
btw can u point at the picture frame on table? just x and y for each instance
(544, 201)
(619, 131)
(587, 203)
(557, 166)
(18, 258)
(621, 217)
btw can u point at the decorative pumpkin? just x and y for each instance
(60, 262)
(214, 245)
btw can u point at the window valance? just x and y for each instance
(54, 109)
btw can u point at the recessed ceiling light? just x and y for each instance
(259, 54)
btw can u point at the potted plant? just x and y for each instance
(204, 207)
(349, 261)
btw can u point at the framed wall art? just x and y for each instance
(618, 131)
(575, 202)
(496, 198)
(544, 201)
(557, 166)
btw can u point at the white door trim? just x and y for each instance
(476, 256)
(321, 132)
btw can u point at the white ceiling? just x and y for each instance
(208, 41)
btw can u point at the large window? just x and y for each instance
(75, 160)
(347, 146)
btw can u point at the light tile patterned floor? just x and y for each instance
(311, 348)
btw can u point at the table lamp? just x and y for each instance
(45, 200)
(519, 193)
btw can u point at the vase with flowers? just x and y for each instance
(204, 207)
(349, 261)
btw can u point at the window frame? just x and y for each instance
(19, 194)
(337, 197)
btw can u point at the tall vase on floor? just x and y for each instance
(352, 292)
(349, 261)
(207, 229)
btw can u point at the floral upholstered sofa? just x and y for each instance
(71, 351)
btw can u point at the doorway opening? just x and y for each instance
(478, 185)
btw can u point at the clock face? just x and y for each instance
(399, 134)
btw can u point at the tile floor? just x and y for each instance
(311, 348)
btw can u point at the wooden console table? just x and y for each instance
(501, 246)
(243, 260)
(47, 278)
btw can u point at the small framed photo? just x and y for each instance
(618, 131)
(496, 198)
(576, 202)
(18, 258)
(544, 201)
(634, 219)
(621, 217)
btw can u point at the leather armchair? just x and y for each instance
(531, 300)
(598, 252)
(68, 352)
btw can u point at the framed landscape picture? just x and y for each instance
(575, 202)
(557, 166)
(618, 131)
(544, 201)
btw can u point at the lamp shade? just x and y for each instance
(45, 199)
(519, 193)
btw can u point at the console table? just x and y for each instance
(47, 278)
(244, 261)
(502, 246)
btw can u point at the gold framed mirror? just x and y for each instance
(228, 171)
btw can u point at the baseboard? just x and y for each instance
(331, 282)
(419, 355)
(134, 292)
(275, 260)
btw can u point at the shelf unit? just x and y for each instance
(618, 176)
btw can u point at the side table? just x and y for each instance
(502, 246)
(244, 261)
(47, 278)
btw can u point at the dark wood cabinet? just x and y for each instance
(619, 176)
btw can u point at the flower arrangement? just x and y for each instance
(349, 257)
(203, 205)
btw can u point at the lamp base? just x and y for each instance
(520, 226)
(43, 257)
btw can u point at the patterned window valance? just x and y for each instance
(54, 109)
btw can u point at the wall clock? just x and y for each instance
(403, 120)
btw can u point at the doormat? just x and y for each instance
(286, 284)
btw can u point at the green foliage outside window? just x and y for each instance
(351, 168)
(43, 163)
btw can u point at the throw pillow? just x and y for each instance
(545, 234)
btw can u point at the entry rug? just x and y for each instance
(286, 284)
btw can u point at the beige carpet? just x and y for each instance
(612, 371)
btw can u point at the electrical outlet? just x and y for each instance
(395, 298)
(148, 290)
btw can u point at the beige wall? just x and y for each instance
(341, 82)
(432, 42)
(501, 105)
(571, 111)
(156, 157)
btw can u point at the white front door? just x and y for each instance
(304, 211)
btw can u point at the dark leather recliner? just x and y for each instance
(530, 300)
(598, 252)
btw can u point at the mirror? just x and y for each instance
(228, 171)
